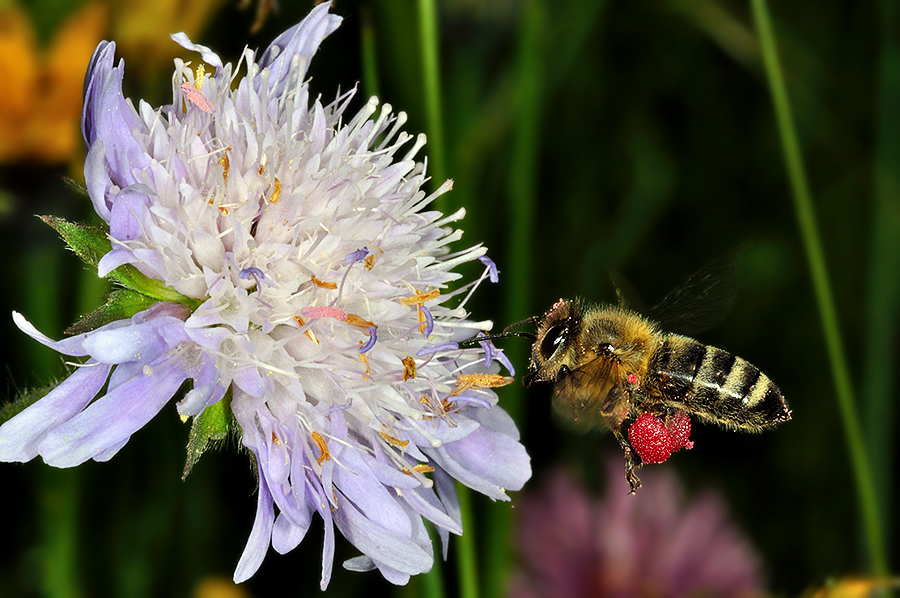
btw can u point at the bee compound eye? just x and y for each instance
(552, 340)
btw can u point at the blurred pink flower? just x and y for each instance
(652, 544)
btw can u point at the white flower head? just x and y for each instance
(322, 280)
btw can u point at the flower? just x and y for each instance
(307, 287)
(650, 544)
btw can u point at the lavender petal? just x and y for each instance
(302, 39)
(380, 544)
(260, 535)
(21, 435)
(113, 418)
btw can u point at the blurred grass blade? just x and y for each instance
(467, 567)
(882, 294)
(865, 486)
(368, 51)
(431, 79)
(528, 102)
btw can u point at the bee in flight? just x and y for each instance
(611, 367)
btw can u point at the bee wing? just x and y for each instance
(589, 397)
(703, 300)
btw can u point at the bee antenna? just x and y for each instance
(531, 320)
(506, 333)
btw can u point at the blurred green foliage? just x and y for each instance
(581, 136)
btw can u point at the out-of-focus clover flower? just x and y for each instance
(280, 256)
(649, 544)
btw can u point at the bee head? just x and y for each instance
(552, 350)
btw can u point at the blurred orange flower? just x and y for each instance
(40, 113)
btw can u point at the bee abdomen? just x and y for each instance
(716, 385)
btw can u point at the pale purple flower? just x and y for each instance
(322, 282)
(654, 543)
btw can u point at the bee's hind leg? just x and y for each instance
(632, 463)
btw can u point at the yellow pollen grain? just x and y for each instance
(409, 368)
(276, 194)
(360, 322)
(419, 298)
(323, 448)
(419, 468)
(322, 285)
(309, 333)
(394, 441)
(224, 210)
(275, 439)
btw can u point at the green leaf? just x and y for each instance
(212, 425)
(120, 305)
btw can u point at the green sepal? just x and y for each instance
(212, 425)
(79, 188)
(88, 242)
(120, 304)
(25, 399)
(91, 243)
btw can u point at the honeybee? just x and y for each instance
(613, 368)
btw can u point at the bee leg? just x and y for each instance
(634, 482)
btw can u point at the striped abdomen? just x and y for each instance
(715, 384)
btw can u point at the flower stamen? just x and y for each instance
(276, 193)
(409, 368)
(321, 284)
(197, 98)
(373, 337)
(419, 298)
(309, 333)
(394, 441)
(421, 468)
(323, 448)
(426, 321)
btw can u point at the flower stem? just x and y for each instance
(816, 261)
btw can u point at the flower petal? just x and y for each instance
(113, 418)
(139, 342)
(380, 544)
(260, 535)
(71, 346)
(302, 39)
(21, 435)
(209, 57)
(486, 461)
